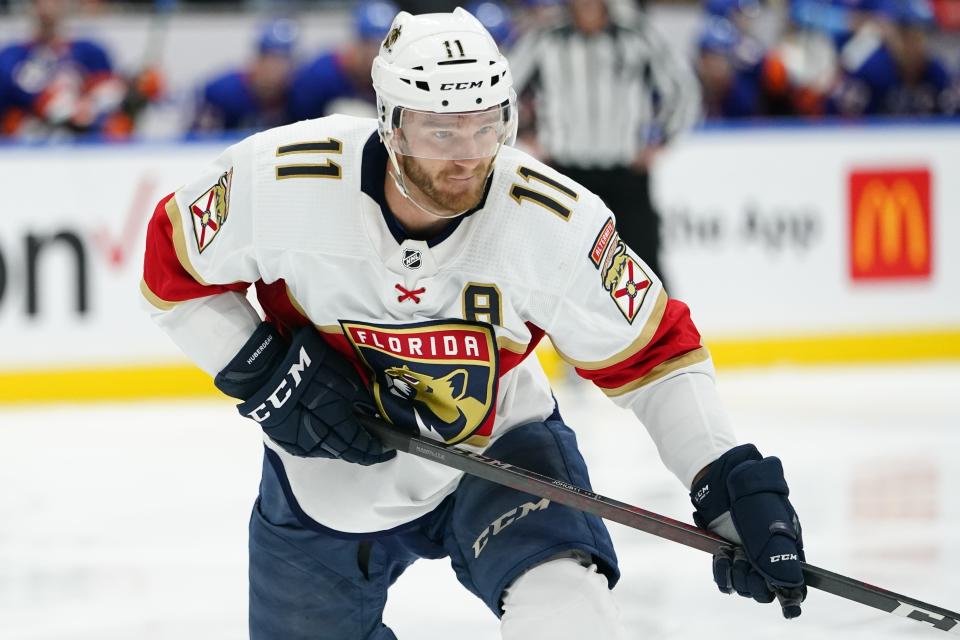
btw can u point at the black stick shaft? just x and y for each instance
(569, 495)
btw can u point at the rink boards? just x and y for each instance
(823, 244)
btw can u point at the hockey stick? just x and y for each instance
(578, 498)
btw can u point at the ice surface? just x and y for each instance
(128, 521)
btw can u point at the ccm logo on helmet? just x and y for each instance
(458, 86)
(261, 413)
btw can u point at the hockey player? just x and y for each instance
(408, 265)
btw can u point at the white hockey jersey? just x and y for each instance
(443, 329)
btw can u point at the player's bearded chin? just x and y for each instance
(436, 186)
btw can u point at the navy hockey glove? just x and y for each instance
(743, 497)
(303, 396)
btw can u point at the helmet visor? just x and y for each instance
(453, 136)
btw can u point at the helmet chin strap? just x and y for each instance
(398, 179)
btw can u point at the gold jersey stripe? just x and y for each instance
(665, 368)
(296, 303)
(641, 342)
(329, 328)
(504, 342)
(154, 299)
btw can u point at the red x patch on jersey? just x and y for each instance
(626, 281)
(209, 212)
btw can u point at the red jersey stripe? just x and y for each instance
(163, 272)
(675, 336)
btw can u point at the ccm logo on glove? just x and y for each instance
(702, 493)
(260, 413)
(304, 395)
(784, 557)
(750, 506)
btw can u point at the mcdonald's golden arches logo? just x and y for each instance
(890, 224)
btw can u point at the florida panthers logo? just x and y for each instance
(438, 378)
(392, 37)
(446, 397)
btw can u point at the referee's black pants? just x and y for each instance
(626, 192)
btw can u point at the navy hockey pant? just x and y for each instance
(305, 584)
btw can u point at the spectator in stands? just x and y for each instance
(338, 81)
(866, 39)
(727, 91)
(740, 78)
(741, 13)
(52, 86)
(924, 86)
(841, 19)
(256, 96)
(843, 53)
(808, 49)
(887, 67)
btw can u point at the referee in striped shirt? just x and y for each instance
(606, 95)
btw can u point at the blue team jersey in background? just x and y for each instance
(229, 103)
(320, 82)
(28, 69)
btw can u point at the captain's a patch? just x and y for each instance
(209, 211)
(625, 279)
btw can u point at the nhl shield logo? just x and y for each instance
(412, 258)
(436, 378)
(626, 281)
(209, 211)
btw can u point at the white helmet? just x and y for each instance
(437, 64)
